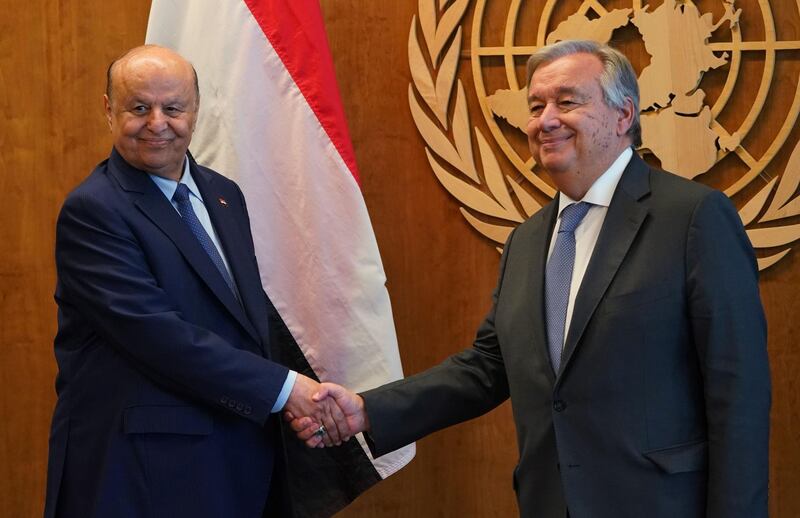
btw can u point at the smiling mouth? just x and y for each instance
(155, 142)
(553, 142)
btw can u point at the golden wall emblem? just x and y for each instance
(719, 101)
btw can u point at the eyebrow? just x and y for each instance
(168, 102)
(561, 90)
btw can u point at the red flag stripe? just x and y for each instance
(296, 31)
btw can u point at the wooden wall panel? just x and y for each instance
(53, 56)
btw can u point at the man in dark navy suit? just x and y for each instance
(167, 393)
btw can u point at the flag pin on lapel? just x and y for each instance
(223, 202)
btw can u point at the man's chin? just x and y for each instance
(555, 156)
(166, 168)
(554, 166)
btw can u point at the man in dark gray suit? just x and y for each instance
(626, 327)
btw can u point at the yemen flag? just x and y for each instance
(271, 119)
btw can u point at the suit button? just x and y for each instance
(223, 399)
(231, 404)
(248, 410)
(559, 406)
(239, 407)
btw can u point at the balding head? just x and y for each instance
(146, 50)
(151, 105)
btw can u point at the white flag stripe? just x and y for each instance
(315, 246)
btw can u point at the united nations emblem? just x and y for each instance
(719, 101)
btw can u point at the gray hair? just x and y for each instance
(617, 81)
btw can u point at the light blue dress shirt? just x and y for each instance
(168, 187)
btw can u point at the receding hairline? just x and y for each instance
(543, 60)
(139, 50)
(564, 88)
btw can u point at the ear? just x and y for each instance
(107, 109)
(194, 120)
(196, 113)
(625, 119)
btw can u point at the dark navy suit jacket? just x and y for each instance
(165, 380)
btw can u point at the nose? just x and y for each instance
(157, 121)
(549, 118)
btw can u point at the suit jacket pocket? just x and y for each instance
(682, 458)
(183, 420)
(633, 300)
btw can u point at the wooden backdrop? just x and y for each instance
(53, 56)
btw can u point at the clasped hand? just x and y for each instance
(324, 414)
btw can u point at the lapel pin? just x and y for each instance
(223, 202)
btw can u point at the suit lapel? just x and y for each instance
(622, 223)
(540, 232)
(223, 211)
(155, 206)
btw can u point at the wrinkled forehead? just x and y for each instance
(152, 74)
(145, 63)
(566, 75)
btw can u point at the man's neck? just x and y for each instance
(577, 184)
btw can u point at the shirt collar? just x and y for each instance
(602, 190)
(168, 187)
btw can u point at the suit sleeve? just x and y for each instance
(104, 276)
(730, 335)
(464, 386)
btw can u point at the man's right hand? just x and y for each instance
(351, 415)
(318, 414)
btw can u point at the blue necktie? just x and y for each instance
(181, 197)
(558, 278)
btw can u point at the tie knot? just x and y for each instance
(572, 215)
(182, 193)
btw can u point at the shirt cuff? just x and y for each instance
(288, 385)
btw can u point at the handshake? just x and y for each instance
(324, 414)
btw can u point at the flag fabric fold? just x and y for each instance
(271, 118)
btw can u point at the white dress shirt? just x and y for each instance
(599, 195)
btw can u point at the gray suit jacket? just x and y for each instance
(661, 408)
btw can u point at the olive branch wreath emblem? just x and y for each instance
(448, 135)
